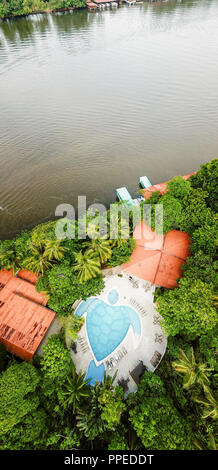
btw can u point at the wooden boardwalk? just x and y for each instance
(92, 5)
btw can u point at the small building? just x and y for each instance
(24, 317)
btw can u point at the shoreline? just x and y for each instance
(141, 191)
(61, 10)
(57, 10)
(42, 12)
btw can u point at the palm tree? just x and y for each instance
(43, 232)
(92, 230)
(211, 442)
(193, 372)
(74, 390)
(37, 262)
(87, 265)
(118, 230)
(108, 380)
(210, 404)
(200, 445)
(100, 248)
(96, 225)
(8, 257)
(43, 252)
(54, 250)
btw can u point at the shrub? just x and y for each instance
(18, 394)
(155, 419)
(206, 178)
(122, 254)
(63, 288)
(188, 309)
(56, 360)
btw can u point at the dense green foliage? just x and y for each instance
(111, 403)
(206, 179)
(47, 405)
(56, 360)
(186, 379)
(155, 418)
(25, 7)
(18, 398)
(190, 310)
(63, 288)
(74, 390)
(122, 254)
(21, 418)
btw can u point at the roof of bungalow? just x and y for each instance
(24, 319)
(161, 186)
(158, 258)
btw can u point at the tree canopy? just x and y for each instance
(188, 309)
(155, 418)
(19, 398)
(25, 7)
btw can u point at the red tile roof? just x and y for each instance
(24, 319)
(28, 276)
(158, 258)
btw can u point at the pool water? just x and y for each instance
(113, 296)
(107, 324)
(95, 374)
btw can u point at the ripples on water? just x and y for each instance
(92, 101)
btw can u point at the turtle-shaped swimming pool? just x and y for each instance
(107, 324)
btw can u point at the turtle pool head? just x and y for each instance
(113, 296)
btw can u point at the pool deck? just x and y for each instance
(149, 347)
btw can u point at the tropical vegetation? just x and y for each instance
(25, 7)
(46, 404)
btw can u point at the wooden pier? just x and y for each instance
(130, 2)
(102, 4)
(90, 5)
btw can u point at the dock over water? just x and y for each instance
(102, 4)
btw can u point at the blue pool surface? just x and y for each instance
(113, 296)
(107, 324)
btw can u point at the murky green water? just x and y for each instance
(92, 101)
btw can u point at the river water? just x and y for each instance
(92, 101)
